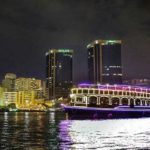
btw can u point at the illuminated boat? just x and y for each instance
(108, 101)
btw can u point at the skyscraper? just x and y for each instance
(58, 72)
(104, 62)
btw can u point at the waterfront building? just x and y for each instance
(25, 99)
(28, 93)
(9, 82)
(28, 100)
(2, 90)
(31, 84)
(58, 72)
(104, 62)
(27, 84)
(9, 98)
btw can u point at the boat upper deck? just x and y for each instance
(116, 90)
(109, 95)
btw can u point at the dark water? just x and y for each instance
(51, 131)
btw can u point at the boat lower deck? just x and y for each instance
(78, 112)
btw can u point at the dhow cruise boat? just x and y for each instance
(90, 101)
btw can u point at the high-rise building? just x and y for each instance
(58, 72)
(104, 62)
(9, 82)
(9, 98)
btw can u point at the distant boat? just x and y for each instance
(13, 109)
(54, 109)
(108, 101)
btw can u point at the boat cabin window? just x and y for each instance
(79, 91)
(85, 91)
(74, 91)
(110, 92)
(106, 92)
(79, 99)
(120, 93)
(143, 103)
(91, 91)
(115, 92)
(101, 92)
(124, 93)
(96, 91)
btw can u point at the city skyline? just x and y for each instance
(28, 31)
(74, 74)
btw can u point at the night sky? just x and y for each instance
(28, 28)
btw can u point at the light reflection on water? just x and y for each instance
(29, 130)
(50, 131)
(107, 134)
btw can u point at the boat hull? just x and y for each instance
(75, 112)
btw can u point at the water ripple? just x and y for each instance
(109, 134)
(50, 131)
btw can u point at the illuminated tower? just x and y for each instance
(104, 62)
(58, 72)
